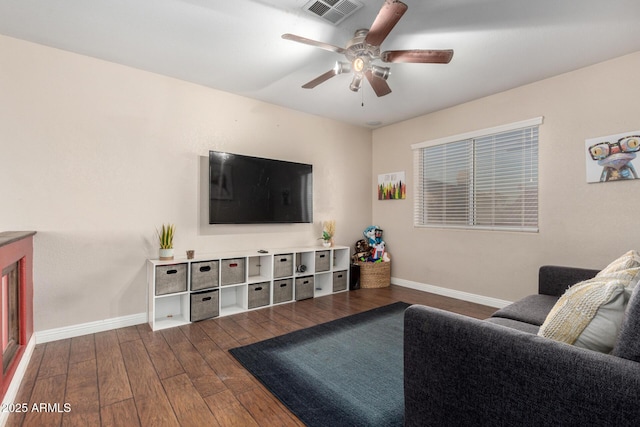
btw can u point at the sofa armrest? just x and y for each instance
(463, 371)
(554, 280)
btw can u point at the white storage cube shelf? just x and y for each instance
(260, 268)
(173, 309)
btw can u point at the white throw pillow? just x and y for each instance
(602, 332)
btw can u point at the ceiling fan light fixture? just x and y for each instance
(356, 82)
(364, 48)
(342, 67)
(359, 64)
(381, 72)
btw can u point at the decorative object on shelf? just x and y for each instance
(166, 241)
(191, 254)
(328, 231)
(612, 157)
(392, 186)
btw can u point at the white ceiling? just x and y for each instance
(235, 46)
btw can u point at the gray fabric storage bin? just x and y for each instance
(204, 305)
(339, 281)
(282, 265)
(259, 294)
(282, 290)
(304, 288)
(232, 271)
(171, 278)
(322, 261)
(204, 275)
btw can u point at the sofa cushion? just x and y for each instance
(514, 324)
(531, 309)
(628, 344)
(588, 315)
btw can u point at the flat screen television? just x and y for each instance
(254, 190)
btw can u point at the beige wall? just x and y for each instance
(580, 224)
(95, 155)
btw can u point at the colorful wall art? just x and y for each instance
(392, 186)
(613, 157)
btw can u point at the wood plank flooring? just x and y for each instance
(183, 376)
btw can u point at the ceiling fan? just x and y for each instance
(364, 48)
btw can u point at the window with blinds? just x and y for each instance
(486, 179)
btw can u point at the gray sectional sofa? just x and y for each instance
(461, 371)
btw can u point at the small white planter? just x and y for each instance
(166, 254)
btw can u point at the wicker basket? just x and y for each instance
(375, 274)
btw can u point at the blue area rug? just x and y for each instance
(347, 372)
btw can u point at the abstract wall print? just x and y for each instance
(392, 186)
(613, 157)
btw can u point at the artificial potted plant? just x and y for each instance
(328, 231)
(326, 239)
(166, 241)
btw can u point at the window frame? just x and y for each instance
(420, 204)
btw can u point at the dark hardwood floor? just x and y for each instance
(183, 376)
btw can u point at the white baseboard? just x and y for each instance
(464, 296)
(90, 328)
(12, 391)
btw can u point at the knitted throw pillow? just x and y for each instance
(588, 315)
(625, 268)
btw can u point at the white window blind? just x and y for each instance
(488, 180)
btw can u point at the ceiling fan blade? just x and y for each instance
(321, 45)
(320, 79)
(418, 56)
(380, 86)
(387, 18)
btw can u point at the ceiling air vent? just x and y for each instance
(334, 11)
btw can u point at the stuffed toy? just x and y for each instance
(373, 235)
(369, 234)
(363, 251)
